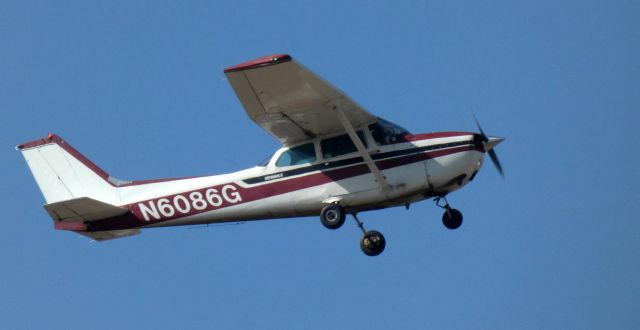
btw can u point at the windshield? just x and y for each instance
(385, 132)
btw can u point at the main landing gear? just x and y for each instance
(452, 218)
(332, 216)
(372, 242)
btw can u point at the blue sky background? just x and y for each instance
(138, 88)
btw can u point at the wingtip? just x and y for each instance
(260, 62)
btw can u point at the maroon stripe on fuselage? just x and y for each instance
(135, 219)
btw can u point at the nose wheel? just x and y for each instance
(451, 218)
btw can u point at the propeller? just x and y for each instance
(489, 143)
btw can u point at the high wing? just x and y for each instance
(294, 104)
(290, 102)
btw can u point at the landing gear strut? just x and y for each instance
(372, 242)
(452, 218)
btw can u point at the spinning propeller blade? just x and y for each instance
(489, 143)
(496, 162)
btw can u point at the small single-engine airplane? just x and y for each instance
(336, 159)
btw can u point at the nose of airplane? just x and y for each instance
(492, 141)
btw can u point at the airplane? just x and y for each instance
(336, 159)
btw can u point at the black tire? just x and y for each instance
(453, 221)
(372, 243)
(332, 216)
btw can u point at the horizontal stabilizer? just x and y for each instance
(82, 209)
(110, 234)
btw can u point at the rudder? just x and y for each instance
(62, 173)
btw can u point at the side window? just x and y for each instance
(340, 145)
(302, 154)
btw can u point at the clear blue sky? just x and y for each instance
(139, 89)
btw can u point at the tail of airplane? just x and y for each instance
(63, 173)
(76, 190)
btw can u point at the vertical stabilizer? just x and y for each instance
(62, 173)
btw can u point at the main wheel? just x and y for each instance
(372, 243)
(452, 219)
(332, 216)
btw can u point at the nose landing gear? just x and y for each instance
(452, 218)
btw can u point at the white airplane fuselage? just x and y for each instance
(424, 166)
(415, 167)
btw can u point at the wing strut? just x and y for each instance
(346, 124)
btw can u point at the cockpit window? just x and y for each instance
(301, 154)
(340, 145)
(385, 132)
